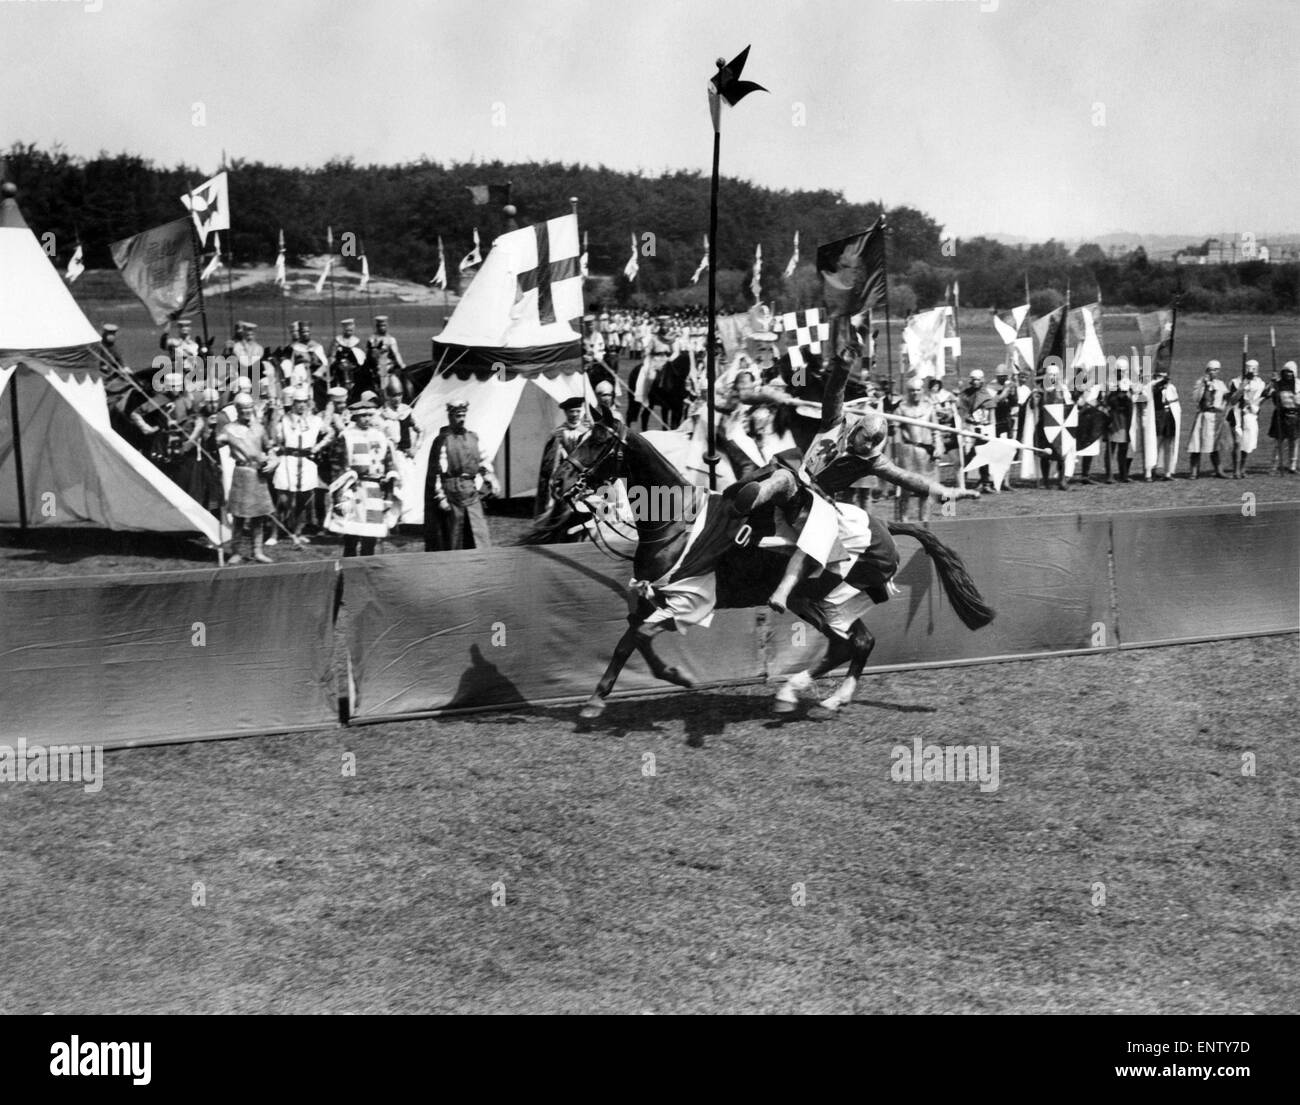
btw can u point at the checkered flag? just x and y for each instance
(804, 330)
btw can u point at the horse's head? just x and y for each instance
(596, 461)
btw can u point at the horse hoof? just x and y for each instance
(777, 605)
(593, 709)
(674, 675)
(831, 705)
(784, 706)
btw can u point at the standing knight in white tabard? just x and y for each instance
(1245, 396)
(364, 497)
(302, 435)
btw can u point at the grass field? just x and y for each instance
(1124, 863)
(624, 892)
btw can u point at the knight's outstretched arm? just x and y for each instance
(917, 484)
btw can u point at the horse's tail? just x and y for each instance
(965, 597)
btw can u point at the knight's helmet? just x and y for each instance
(867, 438)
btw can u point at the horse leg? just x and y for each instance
(787, 698)
(859, 646)
(595, 705)
(660, 670)
(637, 638)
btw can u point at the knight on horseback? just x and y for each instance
(848, 448)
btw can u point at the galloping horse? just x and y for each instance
(695, 552)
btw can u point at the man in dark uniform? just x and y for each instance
(247, 351)
(561, 442)
(459, 472)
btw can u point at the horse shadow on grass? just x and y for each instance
(703, 713)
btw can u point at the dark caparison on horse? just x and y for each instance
(698, 550)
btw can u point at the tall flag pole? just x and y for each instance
(440, 279)
(956, 322)
(724, 85)
(329, 273)
(756, 282)
(884, 261)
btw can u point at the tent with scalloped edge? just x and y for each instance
(61, 464)
(512, 349)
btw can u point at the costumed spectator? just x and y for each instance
(459, 474)
(184, 350)
(1210, 399)
(310, 354)
(397, 420)
(206, 487)
(977, 404)
(1011, 395)
(559, 444)
(1119, 414)
(605, 398)
(383, 358)
(657, 349)
(945, 410)
(595, 357)
(917, 448)
(301, 435)
(1052, 394)
(254, 459)
(247, 351)
(170, 429)
(1243, 402)
(347, 356)
(1285, 425)
(364, 496)
(1092, 424)
(335, 418)
(1164, 411)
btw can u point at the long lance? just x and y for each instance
(904, 420)
(711, 455)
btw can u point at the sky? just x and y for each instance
(1038, 118)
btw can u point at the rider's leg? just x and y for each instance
(794, 572)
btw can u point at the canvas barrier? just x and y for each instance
(189, 655)
(175, 656)
(1047, 578)
(1207, 573)
(445, 631)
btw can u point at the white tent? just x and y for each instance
(513, 351)
(60, 462)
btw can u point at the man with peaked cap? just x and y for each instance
(184, 349)
(1244, 399)
(365, 495)
(246, 350)
(459, 474)
(347, 355)
(559, 444)
(1210, 399)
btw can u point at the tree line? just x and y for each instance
(396, 214)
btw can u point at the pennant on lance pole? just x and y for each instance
(725, 84)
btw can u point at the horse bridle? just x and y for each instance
(581, 486)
